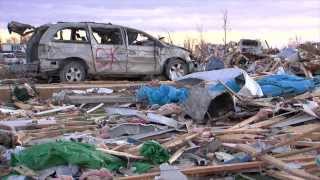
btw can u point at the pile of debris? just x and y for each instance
(257, 59)
(302, 60)
(218, 124)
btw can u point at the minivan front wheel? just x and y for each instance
(176, 68)
(72, 72)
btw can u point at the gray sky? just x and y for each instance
(277, 21)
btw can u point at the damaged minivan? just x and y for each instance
(74, 51)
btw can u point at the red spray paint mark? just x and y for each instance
(106, 58)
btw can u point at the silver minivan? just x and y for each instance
(75, 50)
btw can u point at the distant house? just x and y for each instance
(6, 47)
(12, 53)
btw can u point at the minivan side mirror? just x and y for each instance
(161, 38)
(158, 43)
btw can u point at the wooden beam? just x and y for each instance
(293, 139)
(121, 154)
(261, 115)
(204, 170)
(210, 170)
(277, 163)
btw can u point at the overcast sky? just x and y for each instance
(274, 20)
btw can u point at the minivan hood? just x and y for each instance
(18, 27)
(172, 45)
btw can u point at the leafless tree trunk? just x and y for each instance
(201, 38)
(202, 44)
(189, 44)
(169, 37)
(225, 28)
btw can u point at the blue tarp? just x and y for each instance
(275, 85)
(162, 95)
(285, 85)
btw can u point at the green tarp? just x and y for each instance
(154, 152)
(47, 155)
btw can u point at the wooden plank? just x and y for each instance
(121, 154)
(300, 151)
(212, 169)
(46, 90)
(293, 139)
(277, 163)
(282, 175)
(204, 170)
(180, 141)
(261, 115)
(177, 154)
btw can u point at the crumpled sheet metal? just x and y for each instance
(130, 129)
(201, 98)
(151, 117)
(223, 75)
(156, 118)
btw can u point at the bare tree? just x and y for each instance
(189, 44)
(169, 37)
(200, 30)
(14, 40)
(225, 27)
(202, 46)
(24, 39)
(297, 40)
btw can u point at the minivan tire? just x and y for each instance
(176, 68)
(72, 72)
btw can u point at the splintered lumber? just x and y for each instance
(234, 136)
(268, 122)
(93, 99)
(261, 115)
(95, 108)
(203, 170)
(121, 154)
(209, 170)
(177, 154)
(277, 163)
(298, 151)
(271, 121)
(180, 140)
(282, 175)
(62, 129)
(309, 165)
(293, 139)
(301, 158)
(58, 132)
(122, 146)
(307, 95)
(54, 110)
(240, 131)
